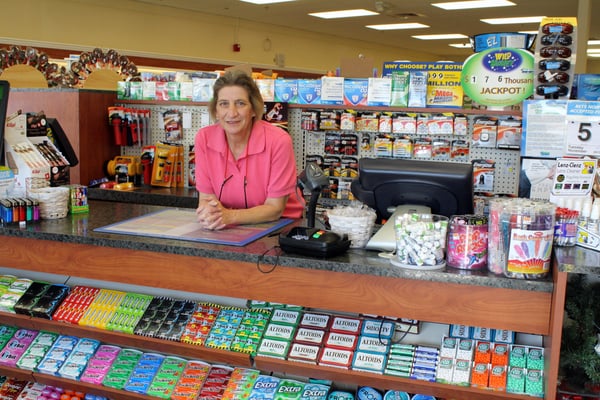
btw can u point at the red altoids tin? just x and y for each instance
(346, 325)
(336, 357)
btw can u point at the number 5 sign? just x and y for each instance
(583, 128)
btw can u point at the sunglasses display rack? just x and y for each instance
(555, 54)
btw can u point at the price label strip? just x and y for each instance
(583, 128)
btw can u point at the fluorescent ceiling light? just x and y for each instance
(391, 27)
(265, 1)
(593, 55)
(359, 12)
(441, 37)
(465, 5)
(593, 51)
(461, 45)
(529, 32)
(517, 20)
(593, 42)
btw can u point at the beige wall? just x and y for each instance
(133, 28)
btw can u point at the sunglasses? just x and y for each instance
(561, 65)
(562, 52)
(556, 39)
(549, 77)
(557, 28)
(552, 91)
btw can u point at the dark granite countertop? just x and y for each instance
(79, 228)
(577, 260)
(169, 197)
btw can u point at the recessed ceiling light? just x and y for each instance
(359, 12)
(465, 5)
(391, 27)
(518, 20)
(266, 1)
(461, 45)
(441, 37)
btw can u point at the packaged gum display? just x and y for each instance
(240, 383)
(75, 304)
(314, 391)
(370, 362)
(49, 301)
(166, 378)
(264, 388)
(289, 389)
(128, 313)
(192, 378)
(224, 328)
(200, 323)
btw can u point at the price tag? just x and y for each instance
(583, 129)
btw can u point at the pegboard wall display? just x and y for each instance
(488, 140)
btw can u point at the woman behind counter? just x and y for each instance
(245, 167)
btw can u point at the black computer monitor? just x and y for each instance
(4, 89)
(383, 184)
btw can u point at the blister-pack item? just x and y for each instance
(555, 54)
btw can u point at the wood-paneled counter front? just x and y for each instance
(358, 281)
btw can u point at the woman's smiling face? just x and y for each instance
(234, 110)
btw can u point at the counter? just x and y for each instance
(358, 282)
(79, 228)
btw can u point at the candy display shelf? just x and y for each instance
(357, 282)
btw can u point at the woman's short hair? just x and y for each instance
(241, 79)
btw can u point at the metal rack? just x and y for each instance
(312, 142)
